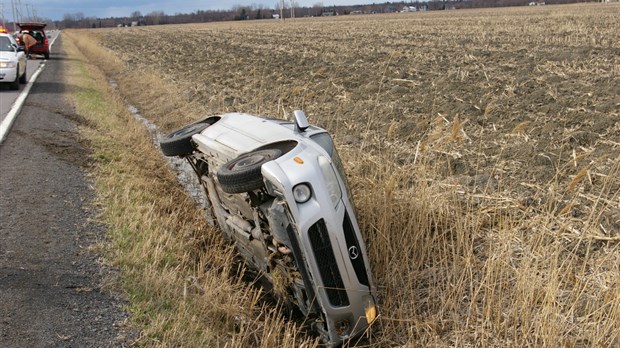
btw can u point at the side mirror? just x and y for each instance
(20, 48)
(301, 121)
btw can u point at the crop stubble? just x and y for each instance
(483, 150)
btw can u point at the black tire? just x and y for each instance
(178, 142)
(243, 173)
(47, 55)
(15, 84)
(24, 78)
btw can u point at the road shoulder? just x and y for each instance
(52, 290)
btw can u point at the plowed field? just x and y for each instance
(482, 146)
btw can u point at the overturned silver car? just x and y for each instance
(278, 192)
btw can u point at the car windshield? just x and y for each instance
(6, 45)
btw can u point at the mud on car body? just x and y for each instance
(278, 192)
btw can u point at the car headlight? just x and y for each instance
(370, 309)
(302, 193)
(8, 64)
(332, 181)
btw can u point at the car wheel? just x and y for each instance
(178, 142)
(243, 173)
(47, 55)
(24, 77)
(15, 84)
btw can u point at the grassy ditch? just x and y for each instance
(175, 269)
(484, 166)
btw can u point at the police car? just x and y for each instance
(12, 61)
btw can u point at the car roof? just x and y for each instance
(8, 35)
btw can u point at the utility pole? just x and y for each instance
(33, 17)
(2, 14)
(17, 17)
(14, 15)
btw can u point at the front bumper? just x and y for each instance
(8, 74)
(329, 239)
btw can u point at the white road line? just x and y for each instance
(6, 124)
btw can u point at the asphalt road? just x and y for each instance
(8, 97)
(51, 292)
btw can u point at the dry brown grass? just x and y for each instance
(482, 148)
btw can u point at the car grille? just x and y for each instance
(326, 261)
(355, 252)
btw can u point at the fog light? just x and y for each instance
(302, 193)
(342, 327)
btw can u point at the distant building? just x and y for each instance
(409, 9)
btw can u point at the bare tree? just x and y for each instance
(293, 5)
(155, 17)
(317, 8)
(282, 5)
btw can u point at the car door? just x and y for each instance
(23, 62)
(21, 57)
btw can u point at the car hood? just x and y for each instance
(8, 56)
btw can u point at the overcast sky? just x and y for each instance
(55, 9)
